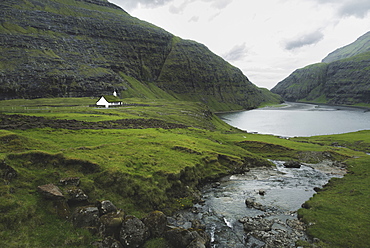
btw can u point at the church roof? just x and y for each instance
(111, 98)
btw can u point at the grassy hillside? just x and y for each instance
(141, 168)
(361, 45)
(342, 82)
(88, 48)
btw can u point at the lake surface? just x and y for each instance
(300, 119)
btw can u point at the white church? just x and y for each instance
(109, 100)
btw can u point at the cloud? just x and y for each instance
(236, 53)
(194, 19)
(219, 4)
(179, 9)
(304, 40)
(357, 8)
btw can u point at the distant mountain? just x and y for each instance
(343, 78)
(361, 45)
(65, 48)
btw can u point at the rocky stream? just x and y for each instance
(258, 208)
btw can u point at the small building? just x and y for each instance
(109, 100)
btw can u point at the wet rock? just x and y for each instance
(133, 232)
(196, 224)
(196, 244)
(216, 185)
(110, 223)
(180, 237)
(262, 192)
(157, 223)
(106, 206)
(256, 224)
(87, 216)
(251, 203)
(296, 224)
(292, 164)
(51, 192)
(317, 189)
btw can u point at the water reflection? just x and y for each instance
(299, 119)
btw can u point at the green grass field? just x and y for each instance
(141, 170)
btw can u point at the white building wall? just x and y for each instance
(103, 102)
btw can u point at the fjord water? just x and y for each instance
(300, 119)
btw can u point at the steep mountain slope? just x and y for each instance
(62, 48)
(343, 81)
(361, 45)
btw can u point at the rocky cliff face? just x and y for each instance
(345, 80)
(65, 48)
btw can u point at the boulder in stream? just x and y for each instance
(251, 203)
(256, 224)
(292, 164)
(189, 238)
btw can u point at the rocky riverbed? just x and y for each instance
(258, 209)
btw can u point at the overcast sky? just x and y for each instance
(266, 39)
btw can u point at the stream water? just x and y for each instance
(273, 195)
(283, 192)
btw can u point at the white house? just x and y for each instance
(109, 100)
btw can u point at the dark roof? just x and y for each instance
(111, 98)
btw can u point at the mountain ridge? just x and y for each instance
(344, 80)
(69, 48)
(361, 45)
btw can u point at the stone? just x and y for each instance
(110, 223)
(77, 194)
(106, 206)
(108, 242)
(292, 164)
(196, 244)
(256, 224)
(251, 203)
(133, 232)
(87, 216)
(180, 237)
(51, 192)
(262, 192)
(216, 185)
(156, 222)
(71, 181)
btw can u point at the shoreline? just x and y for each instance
(288, 102)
